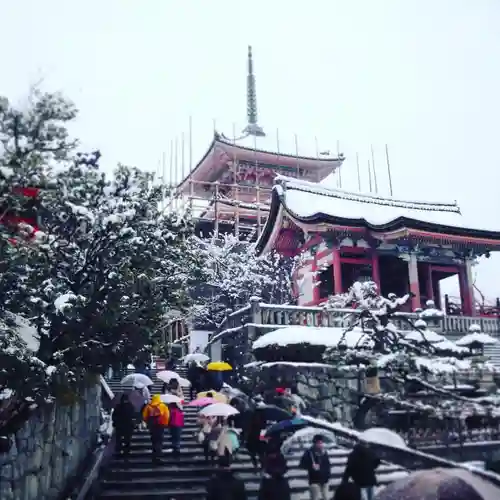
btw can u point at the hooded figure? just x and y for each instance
(224, 484)
(156, 415)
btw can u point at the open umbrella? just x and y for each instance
(167, 375)
(440, 484)
(202, 402)
(170, 398)
(273, 413)
(219, 410)
(291, 425)
(136, 378)
(184, 382)
(212, 394)
(195, 356)
(219, 366)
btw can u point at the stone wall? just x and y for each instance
(49, 448)
(327, 391)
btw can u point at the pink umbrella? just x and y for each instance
(202, 402)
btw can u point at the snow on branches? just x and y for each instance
(234, 274)
(98, 279)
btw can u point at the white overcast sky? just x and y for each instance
(420, 75)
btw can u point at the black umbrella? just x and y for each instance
(273, 413)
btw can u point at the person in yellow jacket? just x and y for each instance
(156, 415)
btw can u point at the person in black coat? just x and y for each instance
(224, 484)
(361, 467)
(274, 484)
(124, 419)
(255, 424)
(317, 464)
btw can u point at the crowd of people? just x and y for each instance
(220, 438)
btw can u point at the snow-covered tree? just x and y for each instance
(98, 280)
(233, 274)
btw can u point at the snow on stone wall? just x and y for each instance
(49, 449)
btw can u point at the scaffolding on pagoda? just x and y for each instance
(229, 189)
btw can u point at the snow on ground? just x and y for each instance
(329, 337)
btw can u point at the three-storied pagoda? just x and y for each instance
(236, 175)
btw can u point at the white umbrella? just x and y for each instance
(184, 382)
(219, 410)
(170, 398)
(195, 356)
(136, 378)
(167, 376)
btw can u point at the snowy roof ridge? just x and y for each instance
(285, 183)
(243, 143)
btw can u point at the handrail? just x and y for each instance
(99, 453)
(412, 459)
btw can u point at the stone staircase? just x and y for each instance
(493, 353)
(185, 477)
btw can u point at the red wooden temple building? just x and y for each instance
(401, 245)
(262, 187)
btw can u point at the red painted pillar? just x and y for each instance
(376, 270)
(430, 288)
(466, 293)
(413, 279)
(315, 279)
(337, 271)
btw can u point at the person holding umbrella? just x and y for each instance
(274, 484)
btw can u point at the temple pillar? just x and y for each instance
(429, 284)
(376, 270)
(337, 271)
(413, 279)
(466, 288)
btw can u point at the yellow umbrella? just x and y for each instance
(214, 394)
(219, 366)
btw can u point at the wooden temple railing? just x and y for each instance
(260, 315)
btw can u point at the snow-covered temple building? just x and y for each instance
(403, 246)
(264, 188)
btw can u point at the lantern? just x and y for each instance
(372, 382)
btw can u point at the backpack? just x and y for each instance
(156, 417)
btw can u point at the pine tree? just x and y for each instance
(97, 282)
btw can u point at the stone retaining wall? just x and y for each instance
(49, 448)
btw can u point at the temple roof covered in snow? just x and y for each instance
(272, 152)
(313, 207)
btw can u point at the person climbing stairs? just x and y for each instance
(185, 476)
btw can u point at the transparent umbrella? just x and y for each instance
(303, 438)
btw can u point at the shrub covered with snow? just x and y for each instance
(98, 279)
(234, 274)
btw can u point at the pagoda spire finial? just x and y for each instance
(252, 127)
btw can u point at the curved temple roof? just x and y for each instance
(222, 149)
(309, 204)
